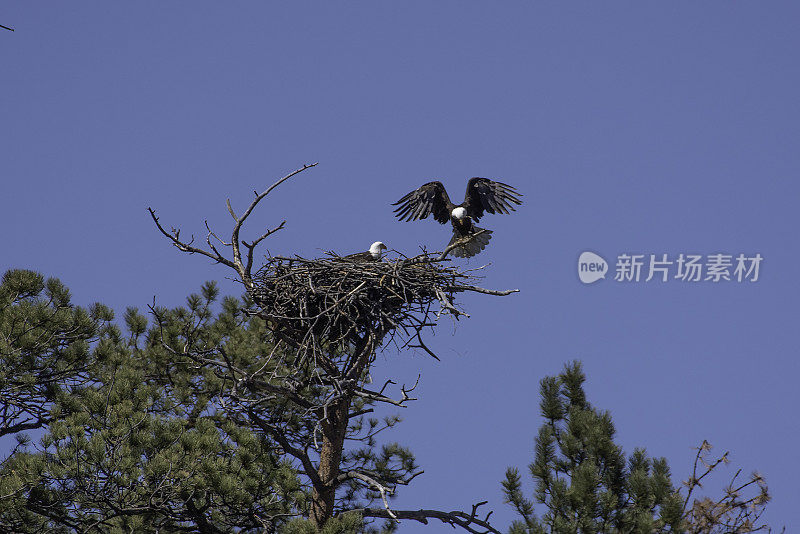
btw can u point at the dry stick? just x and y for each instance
(371, 395)
(237, 255)
(483, 290)
(424, 347)
(380, 487)
(174, 236)
(244, 270)
(251, 246)
(455, 518)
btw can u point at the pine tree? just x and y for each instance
(583, 480)
(145, 443)
(144, 431)
(157, 437)
(44, 347)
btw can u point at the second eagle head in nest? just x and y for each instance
(483, 195)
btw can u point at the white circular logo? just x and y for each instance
(591, 267)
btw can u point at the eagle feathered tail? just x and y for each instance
(472, 244)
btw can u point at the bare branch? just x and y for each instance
(210, 244)
(421, 345)
(380, 397)
(374, 484)
(469, 522)
(174, 236)
(485, 291)
(252, 246)
(215, 236)
(242, 269)
(264, 236)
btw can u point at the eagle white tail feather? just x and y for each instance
(472, 245)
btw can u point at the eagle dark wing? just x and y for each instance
(494, 197)
(431, 198)
(359, 257)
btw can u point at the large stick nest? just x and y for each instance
(341, 300)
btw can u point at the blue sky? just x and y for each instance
(647, 128)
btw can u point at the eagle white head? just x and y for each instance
(459, 213)
(376, 249)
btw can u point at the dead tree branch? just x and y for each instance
(469, 522)
(242, 268)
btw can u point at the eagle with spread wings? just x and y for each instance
(483, 196)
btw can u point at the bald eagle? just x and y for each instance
(482, 195)
(375, 253)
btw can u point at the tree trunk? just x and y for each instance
(334, 429)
